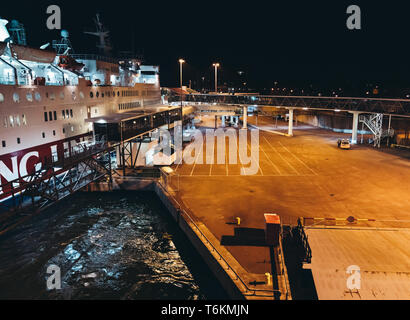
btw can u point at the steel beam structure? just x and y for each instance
(400, 107)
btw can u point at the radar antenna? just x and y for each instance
(63, 45)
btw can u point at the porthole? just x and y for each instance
(29, 96)
(16, 97)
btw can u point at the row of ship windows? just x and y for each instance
(48, 116)
(52, 96)
(130, 93)
(37, 96)
(43, 134)
(129, 105)
(14, 120)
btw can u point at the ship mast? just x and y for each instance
(104, 44)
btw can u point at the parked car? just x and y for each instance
(343, 143)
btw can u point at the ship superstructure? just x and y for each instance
(46, 98)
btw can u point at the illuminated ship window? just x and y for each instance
(37, 96)
(24, 119)
(16, 97)
(29, 96)
(72, 128)
(81, 95)
(91, 94)
(97, 94)
(1, 97)
(18, 121)
(62, 95)
(11, 121)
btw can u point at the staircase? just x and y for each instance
(375, 124)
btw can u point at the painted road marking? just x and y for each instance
(298, 159)
(288, 163)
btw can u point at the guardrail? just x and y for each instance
(305, 243)
(229, 267)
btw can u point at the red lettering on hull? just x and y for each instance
(21, 163)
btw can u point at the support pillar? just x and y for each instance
(245, 118)
(354, 126)
(290, 127)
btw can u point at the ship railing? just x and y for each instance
(181, 210)
(94, 57)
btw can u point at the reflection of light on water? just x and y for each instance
(120, 242)
(70, 253)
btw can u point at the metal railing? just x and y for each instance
(368, 105)
(307, 258)
(214, 249)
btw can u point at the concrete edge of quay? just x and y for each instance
(227, 270)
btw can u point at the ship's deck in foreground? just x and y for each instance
(308, 176)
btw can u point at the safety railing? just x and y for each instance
(304, 241)
(256, 292)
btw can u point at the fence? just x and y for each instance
(167, 185)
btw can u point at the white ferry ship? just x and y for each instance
(47, 96)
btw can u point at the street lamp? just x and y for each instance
(181, 61)
(216, 65)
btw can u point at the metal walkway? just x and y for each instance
(399, 107)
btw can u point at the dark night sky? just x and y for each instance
(293, 42)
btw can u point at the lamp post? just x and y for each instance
(216, 65)
(181, 61)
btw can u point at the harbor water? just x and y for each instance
(118, 245)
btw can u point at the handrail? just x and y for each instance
(182, 210)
